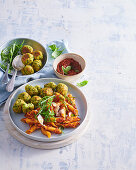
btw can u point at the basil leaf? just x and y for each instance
(53, 47)
(83, 83)
(56, 53)
(66, 70)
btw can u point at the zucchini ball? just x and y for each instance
(47, 91)
(27, 107)
(37, 65)
(31, 90)
(27, 58)
(24, 96)
(17, 107)
(37, 55)
(62, 89)
(26, 49)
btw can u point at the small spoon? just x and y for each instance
(4, 79)
(17, 65)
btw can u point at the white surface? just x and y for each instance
(104, 33)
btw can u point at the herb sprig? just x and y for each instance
(83, 83)
(55, 50)
(45, 105)
(66, 70)
(8, 54)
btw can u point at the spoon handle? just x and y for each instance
(5, 76)
(10, 85)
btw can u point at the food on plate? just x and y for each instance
(17, 107)
(27, 107)
(38, 88)
(51, 85)
(31, 90)
(26, 49)
(35, 100)
(37, 55)
(28, 70)
(62, 89)
(46, 91)
(37, 64)
(69, 67)
(27, 58)
(24, 96)
(50, 111)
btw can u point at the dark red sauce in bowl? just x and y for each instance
(75, 67)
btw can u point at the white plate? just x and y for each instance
(37, 135)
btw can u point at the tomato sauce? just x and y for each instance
(75, 66)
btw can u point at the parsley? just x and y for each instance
(55, 50)
(66, 70)
(8, 54)
(83, 83)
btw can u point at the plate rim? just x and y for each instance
(49, 139)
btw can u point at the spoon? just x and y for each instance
(5, 78)
(17, 65)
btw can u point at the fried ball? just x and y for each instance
(26, 49)
(27, 58)
(28, 70)
(38, 88)
(17, 107)
(27, 107)
(24, 96)
(31, 90)
(37, 55)
(51, 85)
(62, 89)
(23, 72)
(37, 65)
(35, 100)
(47, 91)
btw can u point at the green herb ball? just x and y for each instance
(24, 96)
(27, 107)
(17, 107)
(37, 65)
(28, 70)
(37, 55)
(31, 90)
(27, 59)
(35, 100)
(38, 88)
(47, 91)
(62, 89)
(26, 49)
(51, 85)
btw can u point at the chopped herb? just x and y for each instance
(83, 83)
(66, 70)
(76, 71)
(55, 50)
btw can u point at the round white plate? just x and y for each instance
(37, 135)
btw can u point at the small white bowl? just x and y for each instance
(77, 58)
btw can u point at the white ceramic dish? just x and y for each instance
(37, 135)
(76, 57)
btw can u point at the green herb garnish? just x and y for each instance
(45, 104)
(8, 54)
(66, 70)
(55, 50)
(83, 83)
(76, 71)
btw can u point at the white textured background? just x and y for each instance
(104, 32)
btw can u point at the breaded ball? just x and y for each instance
(17, 107)
(28, 70)
(35, 100)
(24, 96)
(62, 89)
(31, 90)
(51, 85)
(23, 72)
(47, 91)
(27, 58)
(37, 65)
(38, 88)
(27, 107)
(26, 49)
(37, 55)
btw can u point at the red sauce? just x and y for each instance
(75, 66)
